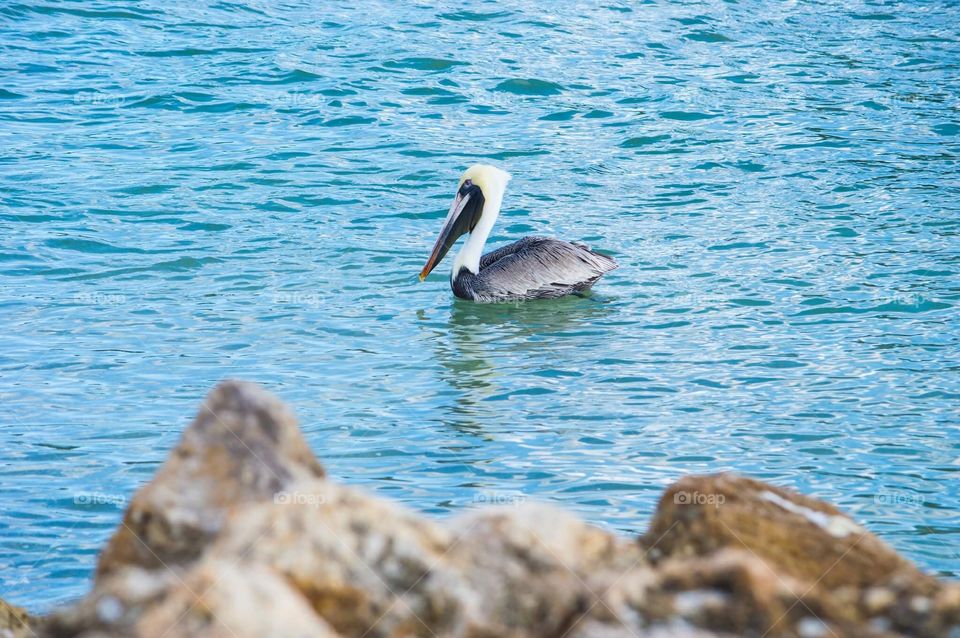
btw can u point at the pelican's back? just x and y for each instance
(533, 268)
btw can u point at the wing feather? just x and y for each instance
(540, 267)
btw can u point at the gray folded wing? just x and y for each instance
(537, 267)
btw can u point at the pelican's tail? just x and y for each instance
(603, 263)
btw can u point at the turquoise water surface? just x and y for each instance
(199, 190)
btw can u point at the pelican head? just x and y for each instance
(474, 210)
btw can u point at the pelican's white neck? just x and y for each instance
(472, 250)
(493, 183)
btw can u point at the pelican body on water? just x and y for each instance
(531, 268)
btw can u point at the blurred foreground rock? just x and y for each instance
(14, 622)
(239, 535)
(243, 446)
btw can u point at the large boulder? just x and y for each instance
(243, 446)
(535, 570)
(370, 568)
(362, 563)
(760, 558)
(795, 534)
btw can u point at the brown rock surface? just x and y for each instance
(371, 568)
(535, 570)
(792, 563)
(805, 538)
(362, 563)
(226, 599)
(239, 535)
(244, 445)
(116, 604)
(14, 621)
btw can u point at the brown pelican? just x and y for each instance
(532, 268)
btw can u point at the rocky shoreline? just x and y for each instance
(240, 534)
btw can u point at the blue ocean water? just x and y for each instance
(198, 190)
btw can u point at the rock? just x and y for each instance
(225, 599)
(243, 446)
(14, 621)
(534, 570)
(116, 604)
(796, 535)
(215, 598)
(791, 562)
(734, 591)
(240, 535)
(371, 568)
(363, 564)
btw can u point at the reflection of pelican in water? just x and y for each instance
(532, 268)
(480, 341)
(519, 322)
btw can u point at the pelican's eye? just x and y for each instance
(466, 186)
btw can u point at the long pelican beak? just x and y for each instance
(464, 214)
